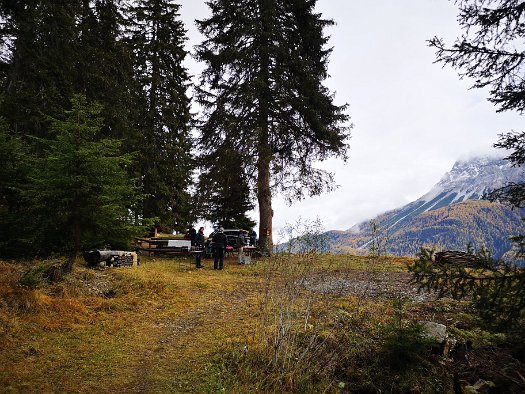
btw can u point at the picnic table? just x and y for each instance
(166, 245)
(183, 248)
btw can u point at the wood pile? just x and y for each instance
(456, 257)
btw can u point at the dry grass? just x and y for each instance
(166, 327)
(146, 329)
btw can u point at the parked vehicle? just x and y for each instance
(232, 236)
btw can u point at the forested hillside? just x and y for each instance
(450, 216)
(475, 222)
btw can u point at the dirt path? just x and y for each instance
(179, 345)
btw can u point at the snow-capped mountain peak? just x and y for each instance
(471, 180)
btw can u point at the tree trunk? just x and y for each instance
(264, 193)
(264, 196)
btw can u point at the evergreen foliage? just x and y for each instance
(223, 195)
(53, 50)
(128, 59)
(40, 54)
(490, 49)
(104, 71)
(491, 53)
(78, 192)
(14, 170)
(497, 290)
(262, 92)
(512, 193)
(164, 164)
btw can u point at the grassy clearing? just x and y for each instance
(312, 323)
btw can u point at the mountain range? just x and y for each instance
(450, 216)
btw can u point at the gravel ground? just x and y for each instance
(366, 284)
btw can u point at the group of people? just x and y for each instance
(220, 242)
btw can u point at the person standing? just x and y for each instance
(199, 245)
(193, 234)
(241, 242)
(253, 237)
(219, 243)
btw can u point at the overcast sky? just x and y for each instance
(412, 118)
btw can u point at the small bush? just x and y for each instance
(36, 276)
(404, 346)
(404, 341)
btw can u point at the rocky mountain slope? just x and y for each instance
(451, 215)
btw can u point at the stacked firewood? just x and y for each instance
(456, 257)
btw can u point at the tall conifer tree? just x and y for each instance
(157, 37)
(42, 48)
(55, 49)
(105, 67)
(262, 91)
(14, 171)
(79, 192)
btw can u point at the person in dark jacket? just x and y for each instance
(199, 245)
(219, 243)
(253, 237)
(193, 234)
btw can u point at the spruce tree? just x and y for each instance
(104, 71)
(14, 171)
(157, 38)
(53, 50)
(41, 55)
(262, 92)
(223, 195)
(79, 194)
